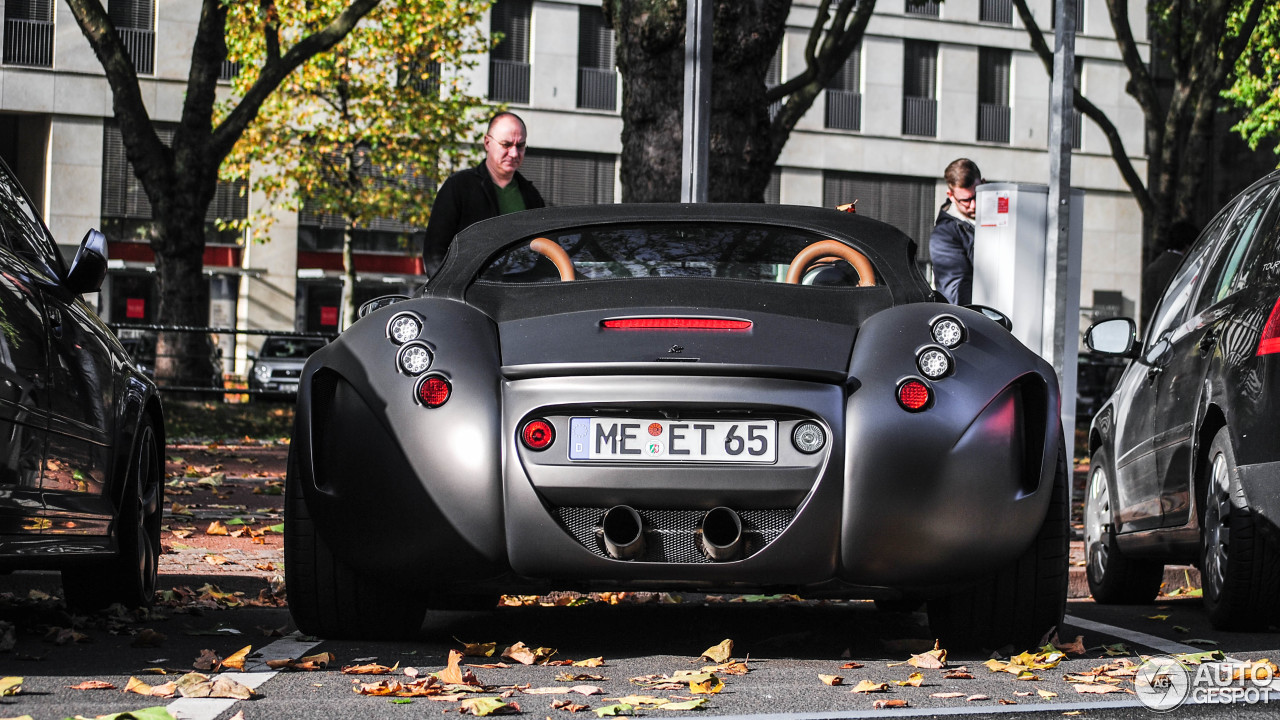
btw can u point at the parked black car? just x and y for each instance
(81, 429)
(141, 347)
(277, 366)
(1186, 459)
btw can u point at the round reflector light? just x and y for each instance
(947, 332)
(403, 328)
(934, 363)
(538, 434)
(808, 437)
(914, 395)
(434, 391)
(414, 359)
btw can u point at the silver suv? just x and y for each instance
(278, 364)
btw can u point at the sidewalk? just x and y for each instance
(244, 484)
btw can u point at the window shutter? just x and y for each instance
(132, 14)
(569, 178)
(511, 18)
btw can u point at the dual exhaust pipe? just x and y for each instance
(719, 534)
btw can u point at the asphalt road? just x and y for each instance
(786, 645)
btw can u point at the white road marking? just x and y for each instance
(1151, 641)
(256, 673)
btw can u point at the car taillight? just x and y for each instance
(1270, 342)
(434, 391)
(675, 323)
(914, 395)
(538, 434)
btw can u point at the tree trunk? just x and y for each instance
(348, 302)
(650, 57)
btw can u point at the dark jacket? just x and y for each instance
(466, 197)
(951, 251)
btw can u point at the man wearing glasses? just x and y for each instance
(492, 188)
(951, 242)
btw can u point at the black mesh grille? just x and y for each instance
(670, 535)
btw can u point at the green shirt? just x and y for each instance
(509, 198)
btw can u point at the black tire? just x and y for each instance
(327, 597)
(1019, 604)
(1113, 578)
(129, 578)
(1239, 561)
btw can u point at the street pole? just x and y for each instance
(697, 101)
(1062, 258)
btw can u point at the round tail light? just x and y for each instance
(434, 391)
(538, 434)
(914, 395)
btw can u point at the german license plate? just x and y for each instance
(602, 438)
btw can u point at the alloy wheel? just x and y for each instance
(1097, 522)
(1217, 529)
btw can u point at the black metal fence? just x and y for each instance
(28, 42)
(140, 342)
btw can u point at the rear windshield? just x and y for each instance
(300, 348)
(715, 250)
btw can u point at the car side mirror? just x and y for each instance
(89, 267)
(251, 355)
(1113, 336)
(995, 315)
(378, 303)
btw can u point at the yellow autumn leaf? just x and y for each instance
(710, 686)
(236, 659)
(914, 680)
(867, 686)
(831, 679)
(721, 653)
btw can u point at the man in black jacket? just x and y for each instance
(490, 189)
(951, 242)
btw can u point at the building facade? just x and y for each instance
(931, 82)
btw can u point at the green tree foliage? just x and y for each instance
(360, 132)
(180, 178)
(1256, 89)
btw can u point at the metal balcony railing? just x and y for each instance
(920, 116)
(28, 42)
(597, 89)
(141, 46)
(508, 81)
(844, 109)
(996, 11)
(993, 122)
(1077, 129)
(927, 7)
(228, 70)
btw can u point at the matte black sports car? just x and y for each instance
(81, 429)
(1186, 462)
(709, 397)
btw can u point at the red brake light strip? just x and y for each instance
(675, 323)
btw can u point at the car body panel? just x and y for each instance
(450, 499)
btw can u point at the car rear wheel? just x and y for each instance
(1022, 602)
(129, 578)
(1239, 562)
(328, 597)
(1113, 578)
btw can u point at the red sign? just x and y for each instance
(135, 308)
(1002, 205)
(329, 315)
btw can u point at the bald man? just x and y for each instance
(495, 187)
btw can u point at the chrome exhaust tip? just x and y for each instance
(720, 534)
(622, 530)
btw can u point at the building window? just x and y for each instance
(597, 78)
(773, 77)
(993, 95)
(571, 178)
(996, 11)
(28, 33)
(929, 8)
(509, 61)
(919, 88)
(904, 202)
(228, 70)
(844, 101)
(135, 22)
(126, 210)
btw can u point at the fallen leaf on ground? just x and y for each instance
(235, 660)
(590, 662)
(882, 704)
(611, 710)
(695, 704)
(526, 656)
(851, 665)
(216, 528)
(975, 698)
(208, 660)
(947, 695)
(934, 659)
(1096, 688)
(721, 653)
(369, 669)
(568, 705)
(93, 685)
(867, 686)
(452, 674)
(831, 679)
(579, 677)
(710, 686)
(914, 680)
(485, 649)
(484, 707)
